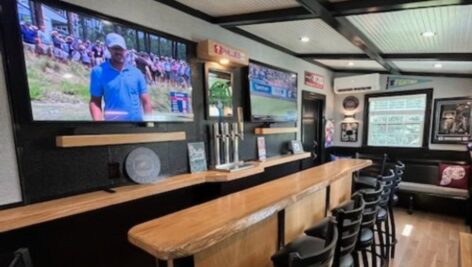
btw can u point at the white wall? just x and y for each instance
(442, 88)
(9, 180)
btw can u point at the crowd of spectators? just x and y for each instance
(63, 47)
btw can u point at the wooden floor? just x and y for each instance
(432, 241)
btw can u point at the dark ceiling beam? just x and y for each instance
(410, 56)
(338, 9)
(334, 56)
(359, 7)
(351, 33)
(431, 57)
(446, 75)
(289, 14)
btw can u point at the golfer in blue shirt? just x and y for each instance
(121, 86)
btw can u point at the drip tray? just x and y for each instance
(234, 167)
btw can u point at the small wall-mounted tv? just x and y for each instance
(71, 73)
(273, 93)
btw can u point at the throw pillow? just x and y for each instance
(456, 176)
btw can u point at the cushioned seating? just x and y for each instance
(366, 236)
(346, 261)
(395, 200)
(382, 214)
(315, 249)
(435, 190)
(304, 246)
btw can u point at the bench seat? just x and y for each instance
(434, 190)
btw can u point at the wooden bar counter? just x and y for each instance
(246, 228)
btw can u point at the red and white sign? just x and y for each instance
(314, 80)
(215, 51)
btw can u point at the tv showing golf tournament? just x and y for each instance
(273, 94)
(81, 67)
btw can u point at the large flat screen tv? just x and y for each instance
(82, 66)
(273, 93)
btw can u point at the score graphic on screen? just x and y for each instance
(273, 93)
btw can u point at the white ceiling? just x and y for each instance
(341, 64)
(218, 8)
(428, 66)
(400, 32)
(323, 39)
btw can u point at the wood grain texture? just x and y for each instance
(117, 139)
(305, 213)
(265, 131)
(192, 230)
(427, 239)
(16, 218)
(465, 250)
(250, 247)
(340, 191)
(277, 160)
(259, 167)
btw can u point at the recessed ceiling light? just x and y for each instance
(428, 34)
(437, 65)
(304, 39)
(224, 61)
(350, 63)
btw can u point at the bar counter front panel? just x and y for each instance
(245, 228)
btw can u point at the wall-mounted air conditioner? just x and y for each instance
(357, 84)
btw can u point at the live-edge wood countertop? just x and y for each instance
(192, 230)
(15, 218)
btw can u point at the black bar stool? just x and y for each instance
(378, 164)
(399, 170)
(21, 258)
(348, 218)
(315, 249)
(383, 218)
(366, 239)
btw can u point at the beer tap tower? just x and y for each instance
(229, 139)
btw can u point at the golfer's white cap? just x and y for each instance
(114, 39)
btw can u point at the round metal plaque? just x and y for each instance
(350, 103)
(143, 165)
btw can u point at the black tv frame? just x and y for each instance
(16, 74)
(269, 120)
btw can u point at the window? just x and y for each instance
(397, 120)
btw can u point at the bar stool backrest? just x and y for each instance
(349, 219)
(372, 199)
(324, 258)
(378, 164)
(388, 183)
(21, 258)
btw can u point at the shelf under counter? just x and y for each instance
(19, 217)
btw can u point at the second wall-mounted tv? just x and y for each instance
(71, 56)
(273, 93)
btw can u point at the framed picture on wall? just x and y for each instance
(349, 131)
(452, 121)
(219, 93)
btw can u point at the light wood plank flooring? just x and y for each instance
(433, 240)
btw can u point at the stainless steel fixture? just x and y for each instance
(229, 135)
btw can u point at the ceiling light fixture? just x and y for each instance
(224, 61)
(304, 39)
(428, 34)
(437, 65)
(350, 63)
